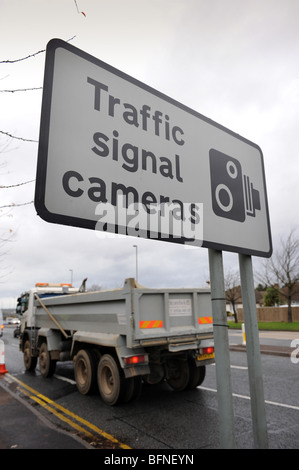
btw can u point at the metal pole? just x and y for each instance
(222, 360)
(135, 246)
(258, 411)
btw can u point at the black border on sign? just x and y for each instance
(41, 172)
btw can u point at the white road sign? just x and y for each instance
(117, 155)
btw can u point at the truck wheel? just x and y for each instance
(46, 364)
(133, 387)
(29, 360)
(85, 372)
(201, 375)
(111, 381)
(156, 375)
(177, 374)
(196, 375)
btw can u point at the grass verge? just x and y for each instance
(269, 325)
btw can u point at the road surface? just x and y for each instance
(162, 418)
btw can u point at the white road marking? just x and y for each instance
(66, 379)
(235, 367)
(245, 397)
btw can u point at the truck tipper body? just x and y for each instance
(119, 338)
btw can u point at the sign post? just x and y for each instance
(222, 360)
(253, 354)
(118, 156)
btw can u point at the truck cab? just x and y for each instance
(25, 303)
(26, 309)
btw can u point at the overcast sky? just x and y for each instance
(233, 61)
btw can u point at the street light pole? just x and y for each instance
(71, 276)
(135, 246)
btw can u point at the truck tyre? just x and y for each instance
(29, 360)
(177, 374)
(196, 375)
(111, 381)
(133, 387)
(46, 364)
(85, 372)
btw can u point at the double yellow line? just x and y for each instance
(64, 414)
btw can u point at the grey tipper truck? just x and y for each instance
(119, 338)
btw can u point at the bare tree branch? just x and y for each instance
(21, 89)
(23, 58)
(232, 290)
(281, 272)
(16, 205)
(18, 138)
(28, 56)
(16, 185)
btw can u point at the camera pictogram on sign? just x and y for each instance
(233, 195)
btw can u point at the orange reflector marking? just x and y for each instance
(151, 324)
(205, 320)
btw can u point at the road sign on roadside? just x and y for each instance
(117, 155)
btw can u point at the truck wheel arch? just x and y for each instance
(51, 337)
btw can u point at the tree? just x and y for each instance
(94, 288)
(233, 290)
(260, 287)
(281, 271)
(6, 236)
(271, 297)
(5, 139)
